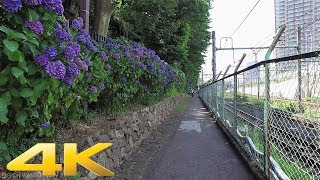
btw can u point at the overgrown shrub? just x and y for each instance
(51, 69)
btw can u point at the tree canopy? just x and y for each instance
(176, 29)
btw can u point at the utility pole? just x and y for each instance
(258, 72)
(202, 77)
(299, 72)
(84, 13)
(214, 49)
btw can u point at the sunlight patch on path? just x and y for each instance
(190, 126)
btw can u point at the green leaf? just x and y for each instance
(17, 72)
(6, 30)
(35, 114)
(50, 99)
(19, 36)
(23, 65)
(3, 146)
(22, 80)
(33, 15)
(11, 45)
(33, 100)
(34, 41)
(21, 118)
(32, 69)
(26, 92)
(7, 97)
(16, 56)
(3, 80)
(3, 110)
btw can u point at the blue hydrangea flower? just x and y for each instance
(54, 5)
(63, 35)
(11, 5)
(108, 67)
(83, 37)
(32, 2)
(82, 65)
(116, 56)
(102, 86)
(56, 70)
(94, 89)
(36, 26)
(73, 70)
(77, 23)
(68, 80)
(104, 56)
(88, 75)
(124, 79)
(88, 62)
(72, 50)
(51, 52)
(42, 59)
(45, 124)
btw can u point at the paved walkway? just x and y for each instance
(198, 150)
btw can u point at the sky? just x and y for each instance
(259, 27)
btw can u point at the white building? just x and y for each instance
(295, 13)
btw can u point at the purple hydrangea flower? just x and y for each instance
(36, 26)
(54, 5)
(124, 79)
(56, 70)
(73, 70)
(77, 23)
(51, 52)
(83, 37)
(107, 67)
(109, 40)
(88, 62)
(82, 65)
(11, 5)
(45, 124)
(72, 50)
(88, 75)
(68, 80)
(92, 46)
(42, 59)
(94, 89)
(102, 86)
(32, 2)
(145, 88)
(104, 56)
(63, 35)
(116, 56)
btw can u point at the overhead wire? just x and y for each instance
(245, 18)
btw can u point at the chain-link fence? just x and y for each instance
(272, 109)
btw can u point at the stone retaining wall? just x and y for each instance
(126, 134)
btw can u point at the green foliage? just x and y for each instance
(176, 30)
(32, 103)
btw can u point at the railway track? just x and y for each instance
(293, 136)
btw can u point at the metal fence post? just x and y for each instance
(223, 91)
(216, 91)
(266, 122)
(235, 93)
(266, 119)
(223, 103)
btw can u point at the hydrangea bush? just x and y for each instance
(51, 68)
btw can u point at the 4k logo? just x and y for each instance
(71, 159)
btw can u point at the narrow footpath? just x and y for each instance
(197, 150)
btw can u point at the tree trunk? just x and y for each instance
(103, 12)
